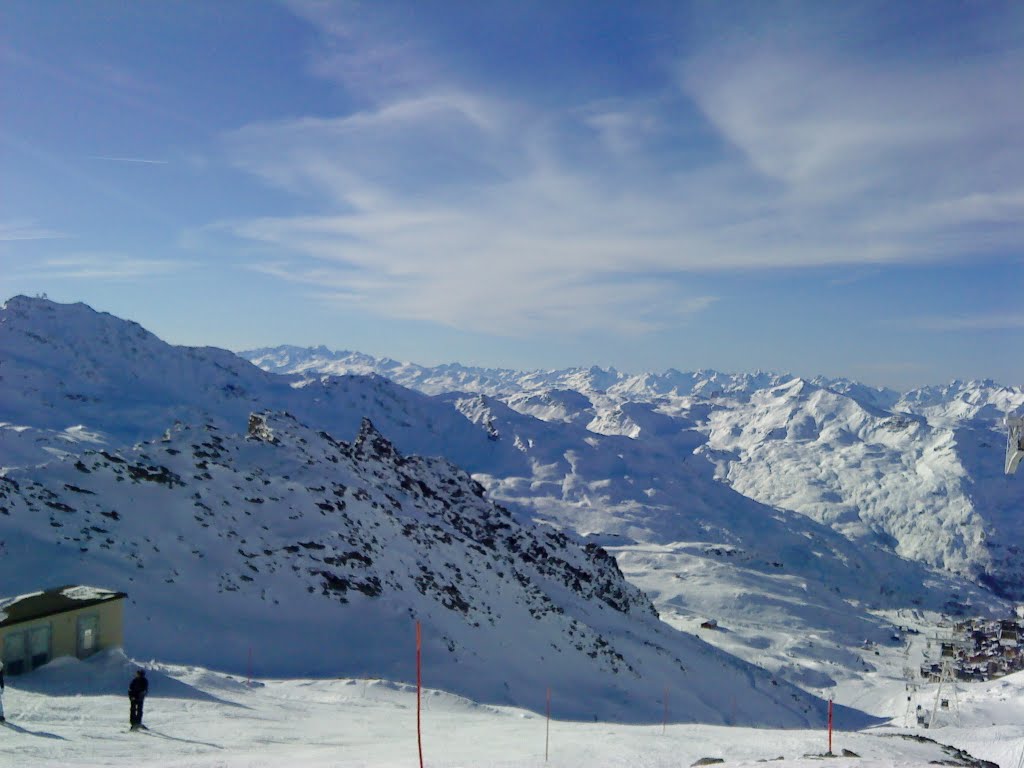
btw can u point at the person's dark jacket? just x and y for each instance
(1, 678)
(138, 687)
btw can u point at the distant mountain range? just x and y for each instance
(804, 515)
(918, 472)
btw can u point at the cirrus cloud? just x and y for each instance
(445, 201)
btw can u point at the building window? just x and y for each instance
(88, 635)
(39, 645)
(27, 650)
(14, 653)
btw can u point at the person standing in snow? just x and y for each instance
(2, 718)
(137, 690)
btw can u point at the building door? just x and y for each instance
(88, 635)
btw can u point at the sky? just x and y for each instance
(814, 188)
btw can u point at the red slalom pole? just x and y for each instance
(419, 689)
(547, 732)
(830, 726)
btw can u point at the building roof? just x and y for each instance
(38, 605)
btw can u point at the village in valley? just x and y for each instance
(978, 650)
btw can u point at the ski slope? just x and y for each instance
(74, 713)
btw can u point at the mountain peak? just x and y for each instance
(260, 429)
(371, 443)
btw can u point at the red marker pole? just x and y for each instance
(830, 726)
(419, 689)
(547, 732)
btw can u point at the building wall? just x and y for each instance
(64, 628)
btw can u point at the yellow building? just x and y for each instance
(66, 621)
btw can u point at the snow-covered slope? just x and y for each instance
(72, 376)
(919, 472)
(928, 484)
(577, 449)
(205, 719)
(319, 555)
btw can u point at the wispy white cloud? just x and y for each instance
(439, 200)
(143, 160)
(624, 129)
(499, 282)
(98, 266)
(802, 119)
(97, 76)
(26, 230)
(900, 156)
(368, 51)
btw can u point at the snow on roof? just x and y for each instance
(14, 610)
(87, 593)
(6, 602)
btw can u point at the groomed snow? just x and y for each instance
(200, 718)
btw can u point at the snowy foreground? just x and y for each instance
(74, 713)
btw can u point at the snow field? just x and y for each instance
(210, 719)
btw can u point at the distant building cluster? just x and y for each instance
(980, 649)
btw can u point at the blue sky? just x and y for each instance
(820, 188)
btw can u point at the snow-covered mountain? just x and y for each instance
(919, 472)
(926, 480)
(75, 378)
(454, 377)
(315, 553)
(578, 451)
(318, 555)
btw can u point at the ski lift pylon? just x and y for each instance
(1014, 442)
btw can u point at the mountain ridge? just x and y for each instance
(755, 438)
(250, 536)
(647, 480)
